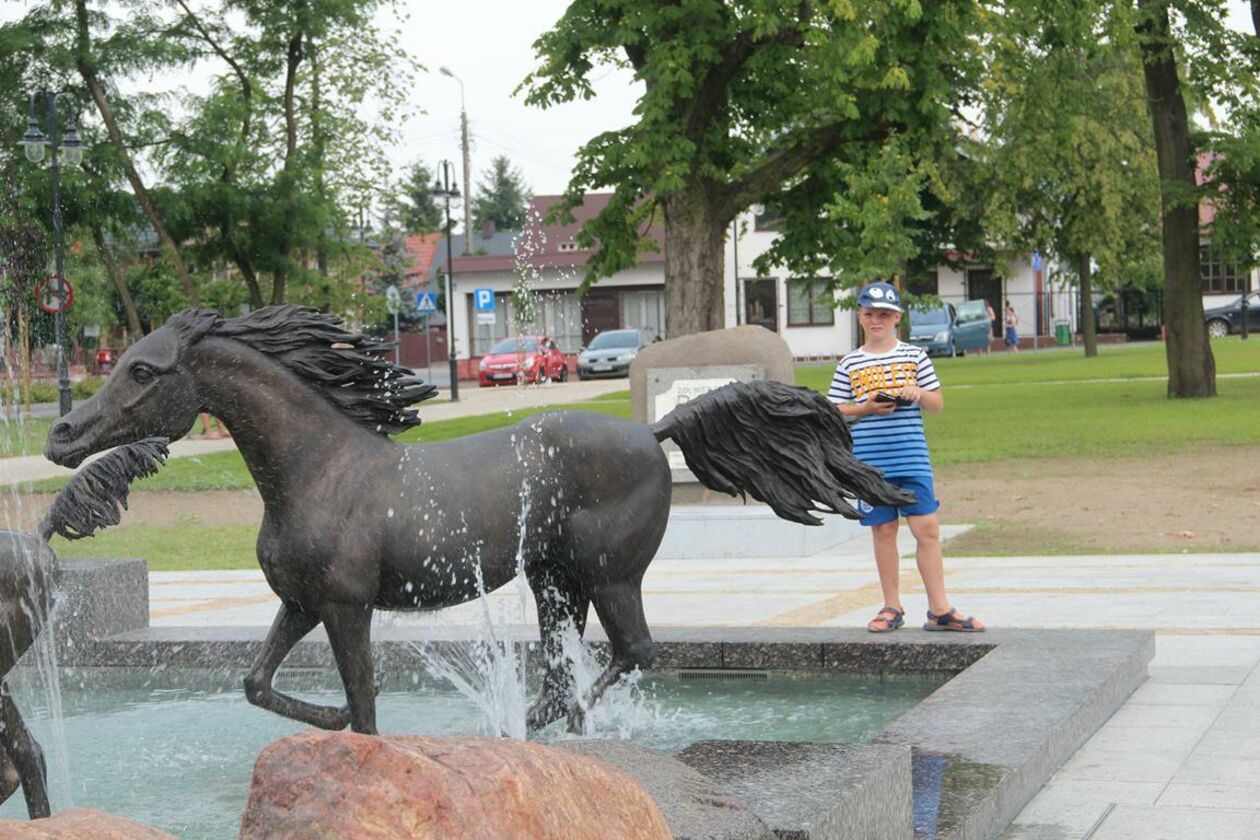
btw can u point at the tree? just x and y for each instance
(413, 201)
(502, 197)
(1191, 365)
(745, 102)
(1068, 155)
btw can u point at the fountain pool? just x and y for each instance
(174, 748)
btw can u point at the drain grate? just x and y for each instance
(722, 674)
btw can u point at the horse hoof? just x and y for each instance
(575, 721)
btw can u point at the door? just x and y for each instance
(761, 303)
(1253, 313)
(599, 312)
(983, 284)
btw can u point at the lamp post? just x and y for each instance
(445, 187)
(463, 144)
(35, 144)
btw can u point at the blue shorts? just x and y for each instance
(920, 485)
(1012, 336)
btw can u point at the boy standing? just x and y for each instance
(887, 385)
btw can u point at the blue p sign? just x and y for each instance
(484, 300)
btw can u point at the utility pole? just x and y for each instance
(463, 144)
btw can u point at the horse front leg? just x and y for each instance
(290, 626)
(22, 748)
(556, 608)
(349, 629)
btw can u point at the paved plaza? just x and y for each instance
(1181, 759)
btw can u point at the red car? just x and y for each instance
(531, 358)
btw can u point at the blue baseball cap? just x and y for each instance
(880, 296)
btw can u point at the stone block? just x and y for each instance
(80, 824)
(814, 791)
(693, 806)
(96, 599)
(746, 345)
(342, 784)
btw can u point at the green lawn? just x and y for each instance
(1068, 364)
(23, 437)
(171, 547)
(226, 470)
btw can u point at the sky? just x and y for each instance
(489, 45)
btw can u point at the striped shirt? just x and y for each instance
(895, 442)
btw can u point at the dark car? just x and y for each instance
(523, 359)
(947, 330)
(611, 352)
(1223, 320)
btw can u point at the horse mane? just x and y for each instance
(96, 496)
(349, 369)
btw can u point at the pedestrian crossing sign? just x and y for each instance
(426, 303)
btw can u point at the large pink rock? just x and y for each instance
(341, 785)
(80, 824)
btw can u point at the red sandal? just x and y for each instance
(955, 621)
(886, 620)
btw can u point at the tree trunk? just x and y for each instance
(1089, 324)
(120, 283)
(694, 299)
(288, 175)
(1191, 366)
(88, 71)
(24, 357)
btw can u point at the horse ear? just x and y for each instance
(163, 348)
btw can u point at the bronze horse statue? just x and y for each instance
(89, 501)
(354, 520)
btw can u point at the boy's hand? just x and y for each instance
(873, 406)
(911, 393)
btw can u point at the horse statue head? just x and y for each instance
(165, 380)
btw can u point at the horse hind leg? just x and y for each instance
(557, 606)
(290, 625)
(24, 751)
(350, 634)
(619, 606)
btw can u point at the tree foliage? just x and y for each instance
(502, 196)
(1067, 144)
(413, 202)
(830, 112)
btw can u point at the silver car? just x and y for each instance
(611, 352)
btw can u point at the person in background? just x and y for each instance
(1011, 320)
(886, 385)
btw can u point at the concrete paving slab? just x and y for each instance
(1157, 822)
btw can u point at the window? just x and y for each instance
(644, 310)
(557, 314)
(810, 303)
(567, 246)
(1219, 274)
(767, 220)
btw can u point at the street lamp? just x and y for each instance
(463, 144)
(445, 187)
(71, 148)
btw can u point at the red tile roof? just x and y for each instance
(539, 245)
(421, 247)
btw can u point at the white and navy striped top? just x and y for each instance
(895, 442)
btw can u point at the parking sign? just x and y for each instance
(483, 300)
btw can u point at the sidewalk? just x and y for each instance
(472, 401)
(1181, 759)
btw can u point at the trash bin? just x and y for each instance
(1062, 333)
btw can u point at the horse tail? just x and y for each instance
(97, 495)
(782, 445)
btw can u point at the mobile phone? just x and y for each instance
(884, 397)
